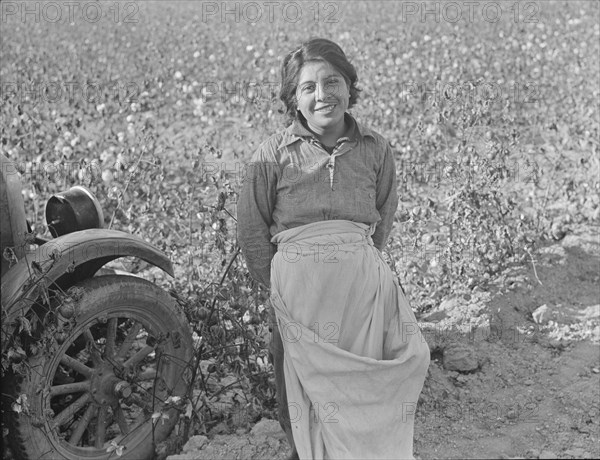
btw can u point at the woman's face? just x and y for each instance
(323, 96)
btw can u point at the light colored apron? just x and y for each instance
(355, 359)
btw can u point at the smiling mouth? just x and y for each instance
(326, 108)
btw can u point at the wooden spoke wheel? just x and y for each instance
(110, 386)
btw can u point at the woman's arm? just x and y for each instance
(386, 199)
(254, 211)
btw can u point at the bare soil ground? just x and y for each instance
(515, 372)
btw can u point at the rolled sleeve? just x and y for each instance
(254, 215)
(387, 198)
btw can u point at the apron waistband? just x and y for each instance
(341, 231)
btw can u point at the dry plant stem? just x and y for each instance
(191, 243)
(214, 301)
(197, 368)
(543, 212)
(231, 215)
(137, 163)
(533, 264)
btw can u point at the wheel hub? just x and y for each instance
(106, 388)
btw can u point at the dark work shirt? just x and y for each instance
(292, 180)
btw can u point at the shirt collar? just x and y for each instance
(297, 131)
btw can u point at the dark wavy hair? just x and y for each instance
(316, 49)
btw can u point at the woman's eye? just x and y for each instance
(308, 88)
(332, 84)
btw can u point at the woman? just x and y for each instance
(316, 209)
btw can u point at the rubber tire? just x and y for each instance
(105, 297)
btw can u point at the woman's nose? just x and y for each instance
(320, 92)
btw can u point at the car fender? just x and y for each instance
(69, 259)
